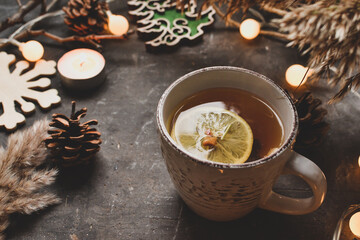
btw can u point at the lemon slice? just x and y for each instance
(214, 134)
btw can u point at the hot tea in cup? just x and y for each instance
(226, 125)
(211, 121)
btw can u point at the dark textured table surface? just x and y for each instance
(126, 192)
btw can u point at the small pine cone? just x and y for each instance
(86, 16)
(312, 127)
(70, 141)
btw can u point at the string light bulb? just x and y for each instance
(249, 29)
(354, 224)
(295, 74)
(32, 50)
(118, 24)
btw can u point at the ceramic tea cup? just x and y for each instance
(224, 192)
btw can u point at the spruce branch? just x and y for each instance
(227, 19)
(22, 177)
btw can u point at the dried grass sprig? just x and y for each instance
(22, 176)
(330, 33)
(350, 83)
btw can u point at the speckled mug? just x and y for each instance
(224, 192)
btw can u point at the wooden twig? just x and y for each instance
(274, 10)
(228, 20)
(274, 34)
(90, 39)
(237, 25)
(18, 17)
(50, 5)
(21, 32)
(43, 6)
(29, 24)
(257, 14)
(19, 3)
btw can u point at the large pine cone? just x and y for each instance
(71, 142)
(86, 16)
(312, 126)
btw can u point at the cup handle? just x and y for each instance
(300, 166)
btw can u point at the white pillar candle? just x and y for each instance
(81, 68)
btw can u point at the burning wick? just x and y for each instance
(83, 59)
(81, 69)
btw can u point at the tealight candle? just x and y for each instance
(249, 29)
(354, 224)
(295, 74)
(81, 68)
(118, 24)
(32, 50)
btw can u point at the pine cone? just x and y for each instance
(73, 143)
(86, 16)
(312, 128)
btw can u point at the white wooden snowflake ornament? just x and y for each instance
(18, 87)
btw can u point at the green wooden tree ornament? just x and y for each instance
(161, 24)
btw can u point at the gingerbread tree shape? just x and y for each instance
(164, 25)
(20, 85)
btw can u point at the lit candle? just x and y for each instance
(81, 69)
(359, 161)
(32, 50)
(354, 224)
(249, 29)
(118, 25)
(295, 73)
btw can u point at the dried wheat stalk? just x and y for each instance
(330, 33)
(22, 175)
